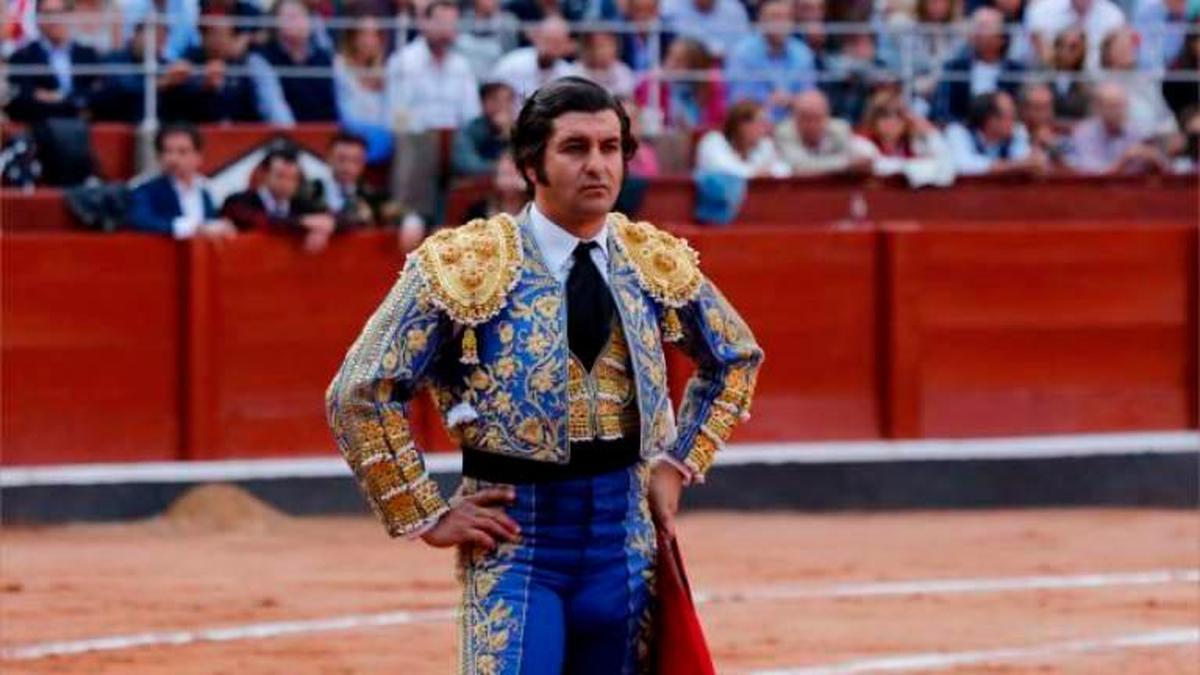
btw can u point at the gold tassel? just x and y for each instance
(470, 347)
(672, 329)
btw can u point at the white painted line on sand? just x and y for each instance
(825, 452)
(252, 631)
(952, 586)
(258, 631)
(1171, 637)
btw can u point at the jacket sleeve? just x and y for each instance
(142, 215)
(368, 402)
(718, 395)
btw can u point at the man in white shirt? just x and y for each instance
(992, 141)
(177, 203)
(528, 68)
(429, 86)
(1046, 18)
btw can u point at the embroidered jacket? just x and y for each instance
(478, 317)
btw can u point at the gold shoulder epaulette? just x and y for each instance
(470, 270)
(666, 266)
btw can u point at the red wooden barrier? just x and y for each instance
(91, 348)
(1036, 330)
(125, 347)
(43, 210)
(810, 297)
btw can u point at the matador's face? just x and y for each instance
(583, 164)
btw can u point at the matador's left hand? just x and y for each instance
(666, 485)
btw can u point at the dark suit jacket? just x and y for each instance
(368, 208)
(248, 213)
(953, 97)
(154, 205)
(25, 108)
(234, 101)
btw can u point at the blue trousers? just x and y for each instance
(573, 596)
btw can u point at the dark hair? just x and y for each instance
(739, 114)
(178, 129)
(535, 123)
(983, 108)
(488, 88)
(344, 137)
(283, 153)
(433, 6)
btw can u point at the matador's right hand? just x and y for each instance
(476, 520)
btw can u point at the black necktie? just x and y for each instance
(589, 307)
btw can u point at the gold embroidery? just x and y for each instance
(472, 268)
(601, 403)
(666, 267)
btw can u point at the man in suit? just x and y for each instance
(277, 205)
(983, 68)
(176, 203)
(60, 92)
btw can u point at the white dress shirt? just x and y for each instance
(59, 59)
(558, 245)
(191, 205)
(431, 94)
(519, 70)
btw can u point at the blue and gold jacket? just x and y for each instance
(478, 318)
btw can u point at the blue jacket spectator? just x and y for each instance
(770, 66)
(61, 93)
(176, 204)
(992, 142)
(982, 68)
(212, 93)
(289, 98)
(479, 145)
(122, 96)
(719, 24)
(637, 48)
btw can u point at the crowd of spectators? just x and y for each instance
(926, 89)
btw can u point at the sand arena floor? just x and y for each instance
(1079, 591)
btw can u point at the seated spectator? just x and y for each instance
(1106, 142)
(1071, 94)
(352, 201)
(122, 96)
(601, 64)
(61, 93)
(1162, 25)
(509, 194)
(991, 141)
(691, 103)
(528, 68)
(644, 163)
(1045, 132)
(570, 10)
(1149, 113)
(428, 85)
(1020, 46)
(359, 82)
(1047, 18)
(927, 49)
(637, 47)
(480, 144)
(98, 25)
(743, 148)
(898, 141)
(180, 17)
(718, 24)
(858, 73)
(982, 69)
(1182, 95)
(245, 17)
(176, 203)
(488, 33)
(213, 93)
(810, 17)
(813, 144)
(277, 205)
(770, 66)
(285, 98)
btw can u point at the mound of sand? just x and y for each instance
(220, 507)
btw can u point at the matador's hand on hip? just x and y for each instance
(476, 520)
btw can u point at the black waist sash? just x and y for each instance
(588, 458)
